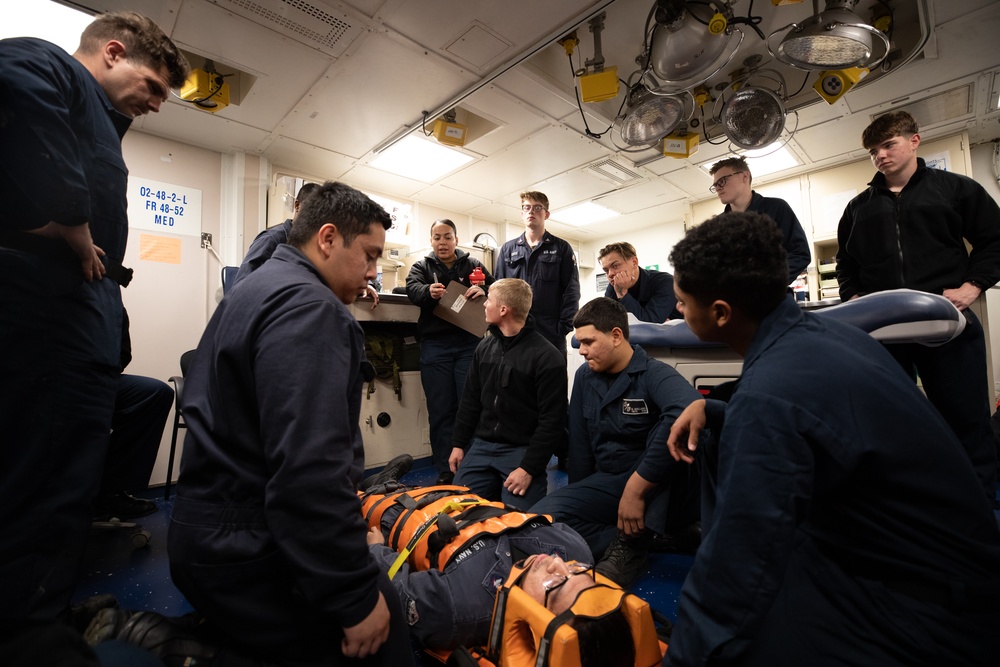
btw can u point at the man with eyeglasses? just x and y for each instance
(647, 294)
(733, 182)
(548, 264)
(453, 606)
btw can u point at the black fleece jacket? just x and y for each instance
(515, 394)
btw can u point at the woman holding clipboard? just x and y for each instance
(445, 349)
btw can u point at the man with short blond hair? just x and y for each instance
(513, 408)
(646, 293)
(548, 264)
(732, 184)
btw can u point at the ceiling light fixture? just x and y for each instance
(649, 117)
(687, 50)
(422, 160)
(582, 214)
(753, 117)
(833, 39)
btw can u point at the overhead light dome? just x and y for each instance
(649, 118)
(833, 39)
(753, 117)
(684, 52)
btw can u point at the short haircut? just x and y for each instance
(145, 44)
(513, 293)
(887, 126)
(539, 197)
(351, 211)
(626, 250)
(445, 221)
(736, 257)
(305, 191)
(606, 641)
(603, 314)
(737, 163)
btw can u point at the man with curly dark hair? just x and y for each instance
(846, 525)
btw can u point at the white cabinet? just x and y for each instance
(390, 426)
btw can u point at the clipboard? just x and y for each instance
(463, 313)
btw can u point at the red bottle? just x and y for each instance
(477, 278)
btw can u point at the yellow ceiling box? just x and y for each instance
(599, 86)
(778, 3)
(450, 134)
(680, 144)
(834, 84)
(206, 90)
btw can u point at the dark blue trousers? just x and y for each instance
(590, 506)
(444, 365)
(955, 380)
(59, 354)
(142, 406)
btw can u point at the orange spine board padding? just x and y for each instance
(524, 623)
(454, 500)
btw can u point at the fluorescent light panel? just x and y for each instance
(50, 21)
(420, 159)
(585, 213)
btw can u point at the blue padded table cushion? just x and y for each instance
(893, 316)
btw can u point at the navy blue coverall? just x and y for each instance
(262, 248)
(793, 236)
(60, 161)
(848, 528)
(266, 538)
(551, 271)
(618, 425)
(652, 297)
(453, 607)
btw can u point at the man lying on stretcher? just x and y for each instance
(448, 585)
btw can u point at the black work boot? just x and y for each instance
(684, 541)
(625, 560)
(81, 614)
(121, 505)
(175, 641)
(392, 471)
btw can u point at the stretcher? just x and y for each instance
(437, 521)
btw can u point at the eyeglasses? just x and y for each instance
(556, 579)
(528, 208)
(721, 183)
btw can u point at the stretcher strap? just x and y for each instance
(427, 525)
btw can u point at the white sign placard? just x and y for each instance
(163, 207)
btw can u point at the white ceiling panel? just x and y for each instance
(368, 178)
(321, 163)
(498, 211)
(642, 196)
(200, 129)
(449, 198)
(337, 115)
(518, 120)
(568, 188)
(285, 68)
(543, 155)
(832, 139)
(529, 91)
